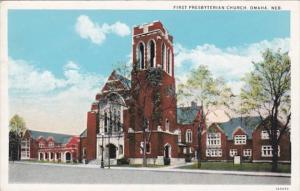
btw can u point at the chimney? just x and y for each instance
(194, 104)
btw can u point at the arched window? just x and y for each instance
(152, 53)
(167, 125)
(188, 136)
(141, 56)
(168, 61)
(163, 56)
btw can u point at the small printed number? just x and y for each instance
(282, 188)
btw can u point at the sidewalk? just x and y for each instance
(165, 169)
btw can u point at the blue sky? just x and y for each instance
(48, 38)
(52, 60)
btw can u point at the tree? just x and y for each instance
(147, 83)
(17, 128)
(212, 93)
(202, 87)
(267, 92)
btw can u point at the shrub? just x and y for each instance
(122, 161)
(167, 161)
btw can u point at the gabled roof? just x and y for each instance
(248, 124)
(84, 133)
(58, 138)
(126, 82)
(187, 115)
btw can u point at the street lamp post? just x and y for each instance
(199, 145)
(102, 162)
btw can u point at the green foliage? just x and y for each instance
(268, 86)
(267, 91)
(122, 161)
(202, 87)
(154, 76)
(17, 125)
(263, 167)
(123, 68)
(157, 113)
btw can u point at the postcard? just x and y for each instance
(197, 95)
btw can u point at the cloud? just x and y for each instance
(26, 78)
(95, 32)
(52, 103)
(230, 63)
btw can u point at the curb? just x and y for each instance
(166, 169)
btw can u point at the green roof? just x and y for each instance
(58, 138)
(248, 124)
(187, 115)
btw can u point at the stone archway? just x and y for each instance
(167, 151)
(167, 154)
(112, 151)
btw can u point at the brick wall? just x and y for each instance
(91, 134)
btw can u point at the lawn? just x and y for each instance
(140, 165)
(263, 167)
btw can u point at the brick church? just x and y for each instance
(138, 119)
(130, 115)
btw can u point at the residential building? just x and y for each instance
(46, 146)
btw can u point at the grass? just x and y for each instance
(140, 165)
(257, 167)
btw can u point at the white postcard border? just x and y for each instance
(292, 6)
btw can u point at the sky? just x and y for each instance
(59, 60)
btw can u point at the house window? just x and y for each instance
(179, 136)
(184, 150)
(25, 149)
(120, 149)
(240, 139)
(266, 151)
(167, 125)
(233, 152)
(41, 145)
(247, 152)
(265, 135)
(51, 144)
(188, 136)
(213, 139)
(148, 148)
(214, 152)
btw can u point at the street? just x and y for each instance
(39, 173)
